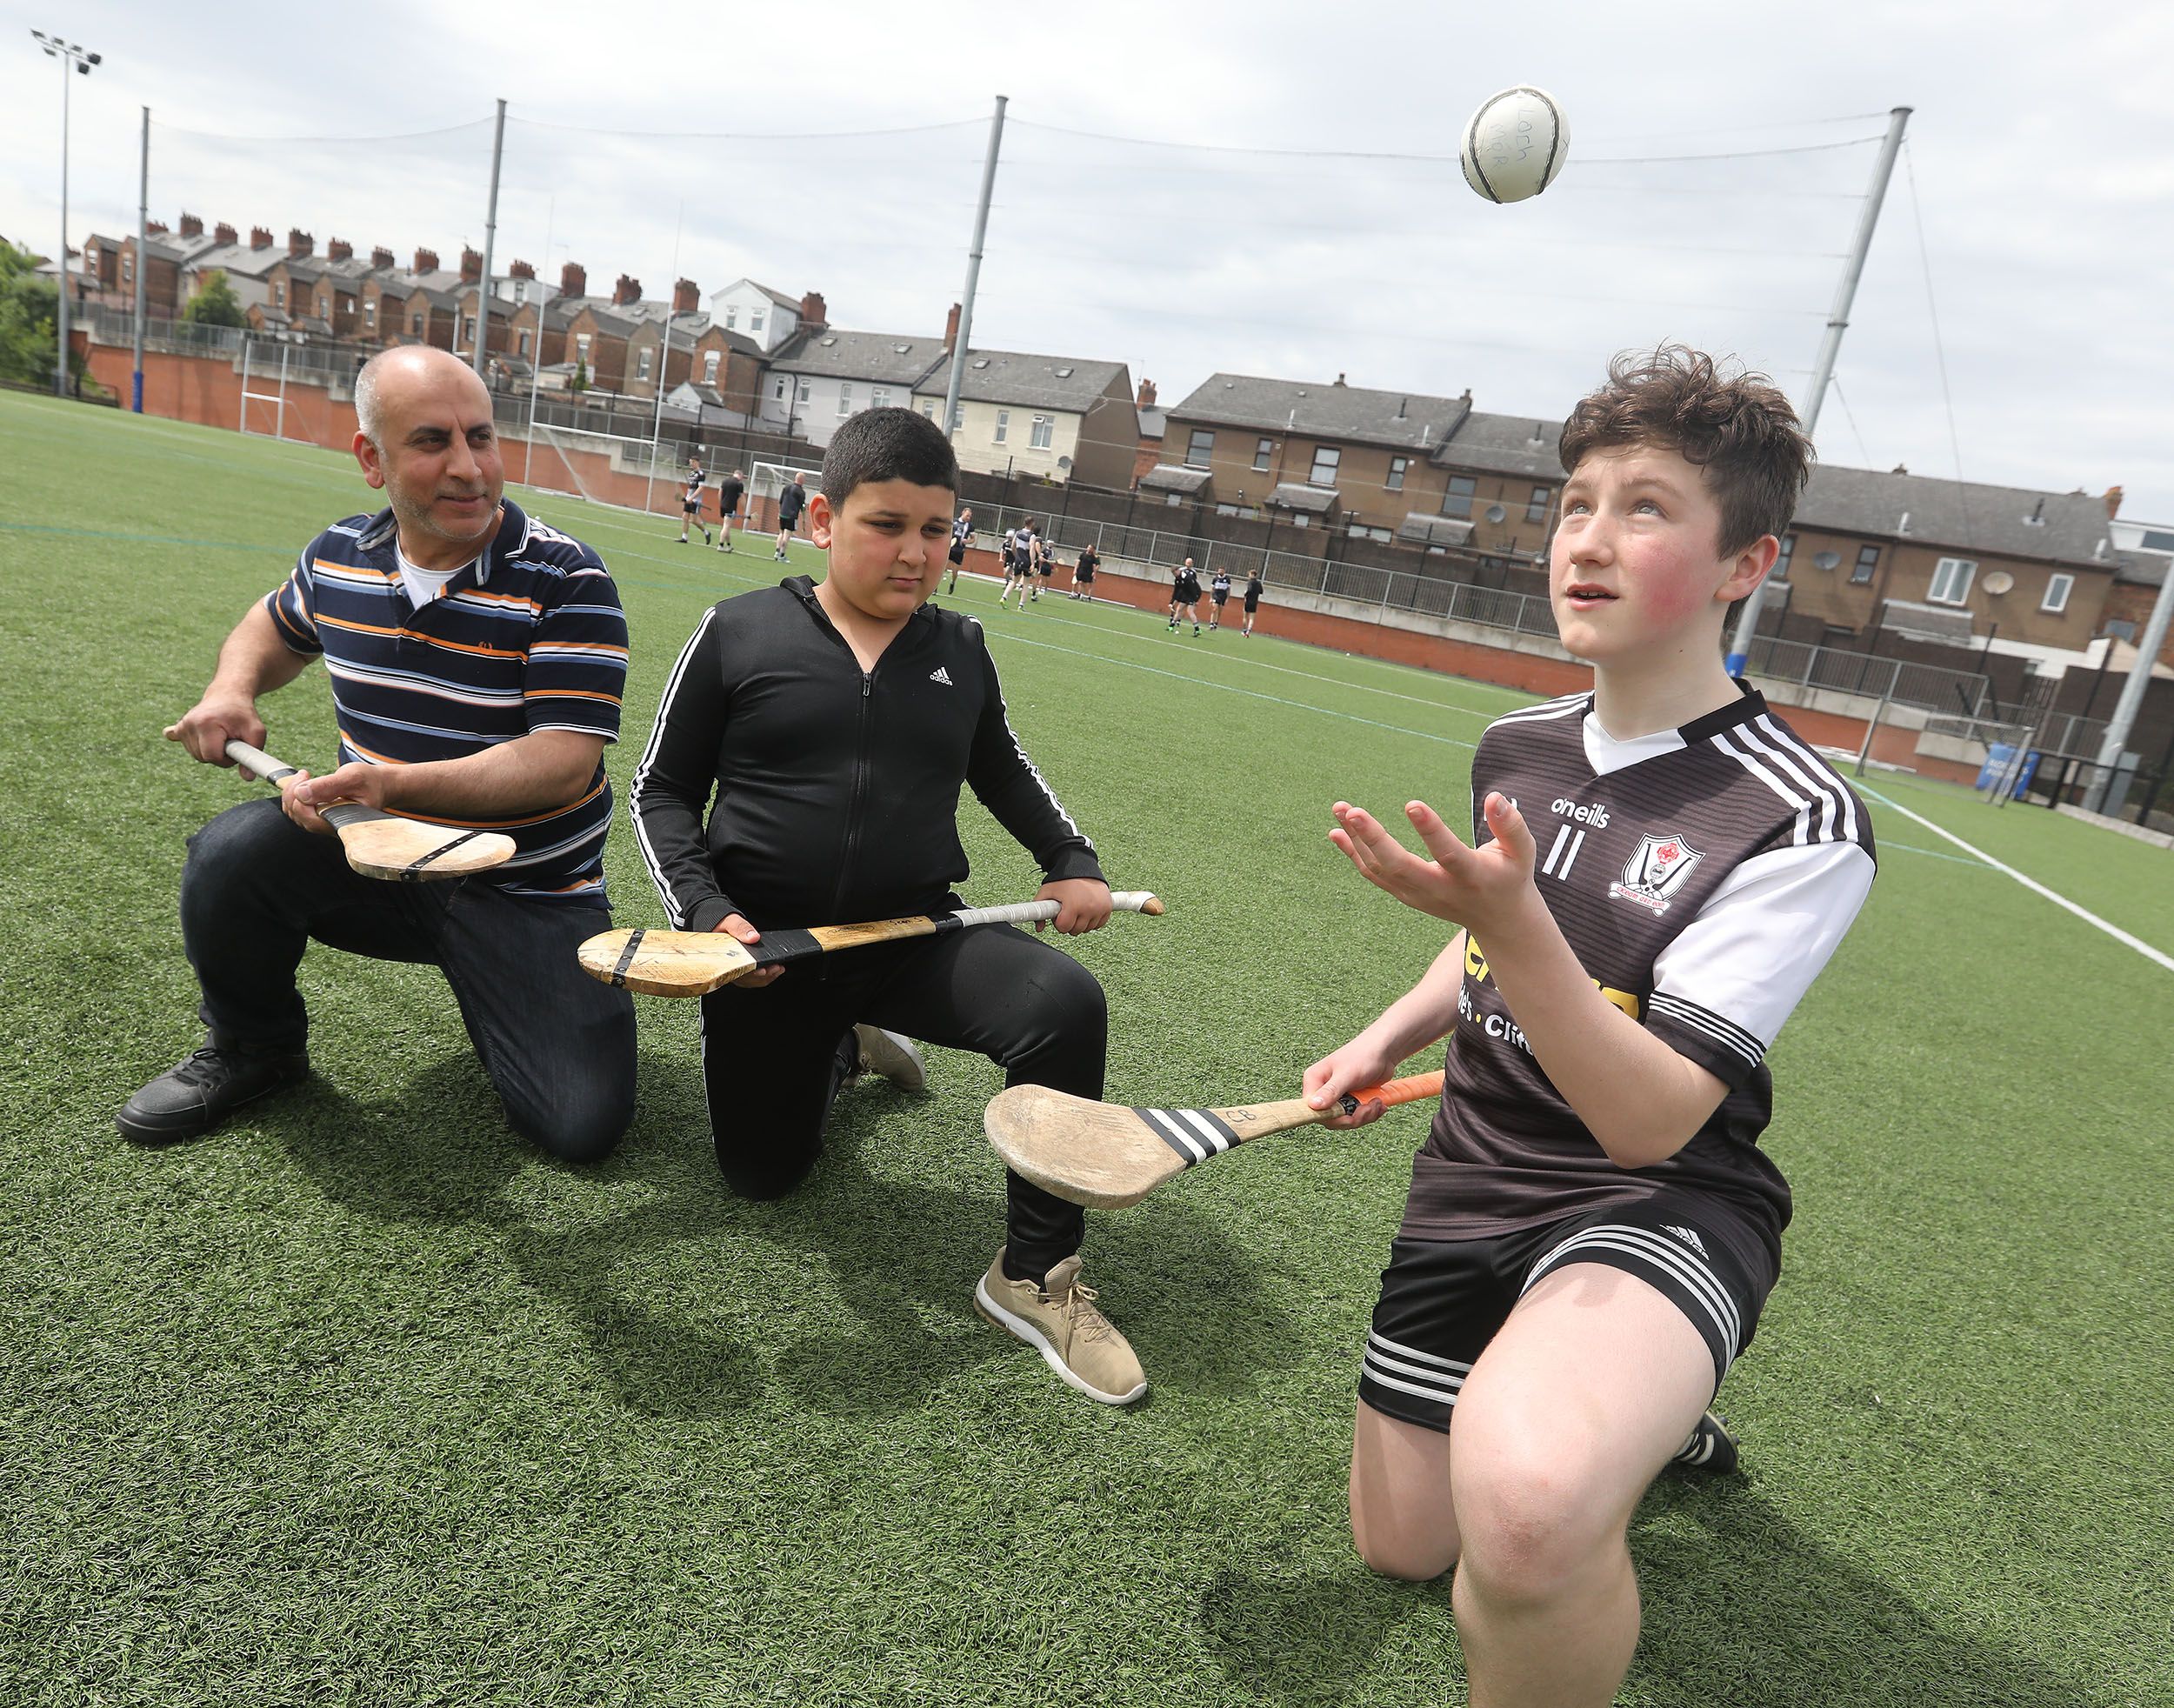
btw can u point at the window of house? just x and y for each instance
(845, 397)
(709, 360)
(1325, 459)
(879, 397)
(1781, 561)
(524, 351)
(1457, 501)
(416, 326)
(370, 316)
(958, 416)
(279, 298)
(1300, 519)
(1003, 426)
(580, 347)
(778, 394)
(1197, 449)
(807, 391)
(642, 369)
(127, 272)
(1536, 507)
(1262, 452)
(1396, 467)
(460, 326)
(1174, 499)
(755, 317)
(1044, 429)
(1867, 561)
(1951, 581)
(731, 317)
(2056, 592)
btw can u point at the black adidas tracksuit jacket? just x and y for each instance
(837, 791)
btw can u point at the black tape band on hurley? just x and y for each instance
(416, 865)
(626, 955)
(781, 948)
(1195, 1134)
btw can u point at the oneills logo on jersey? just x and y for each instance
(1656, 871)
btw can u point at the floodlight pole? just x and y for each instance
(2133, 691)
(490, 239)
(1830, 347)
(72, 58)
(143, 236)
(973, 273)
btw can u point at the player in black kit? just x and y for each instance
(834, 724)
(729, 491)
(690, 503)
(1658, 870)
(1184, 595)
(791, 502)
(1252, 600)
(1219, 592)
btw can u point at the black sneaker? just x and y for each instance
(194, 1095)
(1711, 1450)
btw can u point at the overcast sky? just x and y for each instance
(1266, 189)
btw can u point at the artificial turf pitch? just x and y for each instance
(361, 1399)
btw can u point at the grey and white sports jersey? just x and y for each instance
(1703, 876)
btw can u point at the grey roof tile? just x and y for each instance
(1353, 413)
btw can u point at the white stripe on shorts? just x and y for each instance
(1417, 1373)
(1683, 1264)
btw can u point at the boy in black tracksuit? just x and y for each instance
(834, 724)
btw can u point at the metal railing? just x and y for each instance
(1928, 687)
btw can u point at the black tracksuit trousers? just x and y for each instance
(772, 1058)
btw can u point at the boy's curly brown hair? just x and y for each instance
(1737, 429)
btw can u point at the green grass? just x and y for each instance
(361, 1400)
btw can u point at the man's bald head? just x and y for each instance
(392, 377)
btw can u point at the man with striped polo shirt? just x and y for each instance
(476, 659)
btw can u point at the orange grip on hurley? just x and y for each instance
(1396, 1091)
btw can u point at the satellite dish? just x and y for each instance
(1495, 512)
(1064, 462)
(1827, 560)
(1999, 582)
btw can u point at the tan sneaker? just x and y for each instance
(1061, 1320)
(891, 1055)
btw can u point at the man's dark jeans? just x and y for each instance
(557, 1045)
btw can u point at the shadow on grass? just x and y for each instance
(1752, 1613)
(904, 1255)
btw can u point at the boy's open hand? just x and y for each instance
(1472, 887)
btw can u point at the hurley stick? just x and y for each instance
(693, 964)
(405, 850)
(1105, 1156)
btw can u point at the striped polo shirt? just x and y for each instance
(529, 636)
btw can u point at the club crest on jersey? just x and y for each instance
(1656, 871)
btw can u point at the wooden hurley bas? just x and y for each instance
(693, 964)
(1106, 1156)
(404, 851)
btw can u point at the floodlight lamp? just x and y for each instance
(97, 59)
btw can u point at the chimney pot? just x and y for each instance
(224, 233)
(191, 226)
(573, 280)
(521, 270)
(426, 261)
(1339, 379)
(2113, 502)
(813, 311)
(300, 243)
(626, 291)
(951, 329)
(471, 265)
(339, 250)
(154, 228)
(1146, 399)
(259, 237)
(381, 259)
(686, 296)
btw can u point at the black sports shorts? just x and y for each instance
(692, 506)
(958, 553)
(1443, 1300)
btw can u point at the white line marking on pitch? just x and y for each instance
(2032, 884)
